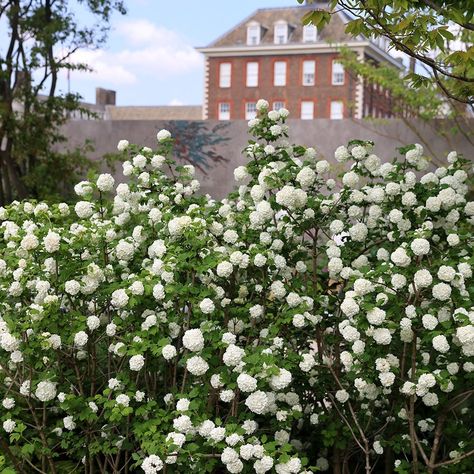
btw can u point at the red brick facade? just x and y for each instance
(259, 39)
(377, 101)
(292, 94)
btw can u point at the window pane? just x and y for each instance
(224, 111)
(279, 76)
(250, 110)
(224, 74)
(281, 33)
(253, 34)
(309, 69)
(278, 105)
(337, 73)
(337, 110)
(252, 74)
(309, 33)
(307, 110)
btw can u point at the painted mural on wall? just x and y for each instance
(200, 143)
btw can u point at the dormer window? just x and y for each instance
(310, 34)
(253, 33)
(280, 32)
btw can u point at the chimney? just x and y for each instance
(104, 96)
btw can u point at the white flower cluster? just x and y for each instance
(257, 333)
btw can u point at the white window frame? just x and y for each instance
(336, 72)
(223, 115)
(337, 114)
(310, 34)
(251, 74)
(280, 32)
(254, 32)
(306, 114)
(225, 75)
(309, 72)
(279, 77)
(278, 104)
(249, 115)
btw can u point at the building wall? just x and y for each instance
(292, 94)
(377, 102)
(214, 148)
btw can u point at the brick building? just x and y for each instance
(272, 55)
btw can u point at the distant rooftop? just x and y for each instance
(154, 112)
(276, 30)
(293, 16)
(105, 109)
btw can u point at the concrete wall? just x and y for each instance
(215, 147)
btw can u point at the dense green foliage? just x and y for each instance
(439, 34)
(38, 41)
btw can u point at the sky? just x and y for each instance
(149, 58)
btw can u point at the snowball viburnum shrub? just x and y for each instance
(299, 323)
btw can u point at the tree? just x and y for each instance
(438, 34)
(42, 37)
(414, 107)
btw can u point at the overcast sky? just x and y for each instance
(150, 59)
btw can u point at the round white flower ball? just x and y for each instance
(440, 344)
(119, 298)
(84, 209)
(441, 291)
(168, 352)
(80, 339)
(51, 242)
(246, 383)
(9, 425)
(241, 173)
(342, 154)
(400, 257)
(224, 269)
(420, 247)
(342, 396)
(137, 362)
(429, 321)
(122, 145)
(105, 182)
(376, 316)
(45, 391)
(163, 135)
(193, 340)
(207, 306)
(197, 366)
(281, 381)
(262, 105)
(423, 278)
(453, 240)
(382, 336)
(257, 402)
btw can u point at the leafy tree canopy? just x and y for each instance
(438, 34)
(39, 38)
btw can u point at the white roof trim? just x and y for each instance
(283, 49)
(382, 55)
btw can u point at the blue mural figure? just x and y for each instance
(198, 143)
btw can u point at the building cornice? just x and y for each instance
(300, 48)
(382, 55)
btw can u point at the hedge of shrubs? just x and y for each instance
(302, 324)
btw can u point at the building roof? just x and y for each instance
(334, 31)
(158, 112)
(329, 39)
